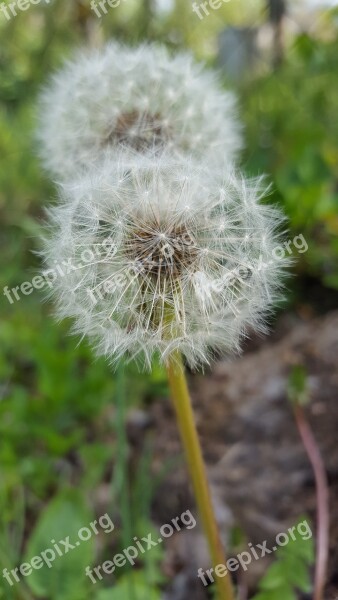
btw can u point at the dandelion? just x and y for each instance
(142, 100)
(190, 267)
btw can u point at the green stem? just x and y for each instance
(121, 475)
(187, 427)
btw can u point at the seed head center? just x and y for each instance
(168, 253)
(138, 130)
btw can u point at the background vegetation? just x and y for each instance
(61, 410)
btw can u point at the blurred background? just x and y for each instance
(77, 440)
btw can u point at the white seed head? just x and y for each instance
(139, 99)
(160, 260)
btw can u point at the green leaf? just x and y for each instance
(64, 516)
(282, 593)
(134, 585)
(297, 573)
(275, 577)
(302, 550)
(297, 386)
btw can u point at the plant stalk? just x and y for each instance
(189, 436)
(322, 492)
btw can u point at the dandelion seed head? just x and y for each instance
(169, 279)
(142, 100)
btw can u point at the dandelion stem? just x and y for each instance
(322, 492)
(187, 427)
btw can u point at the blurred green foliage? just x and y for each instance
(59, 406)
(293, 137)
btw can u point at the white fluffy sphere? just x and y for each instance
(140, 99)
(163, 259)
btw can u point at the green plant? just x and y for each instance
(289, 572)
